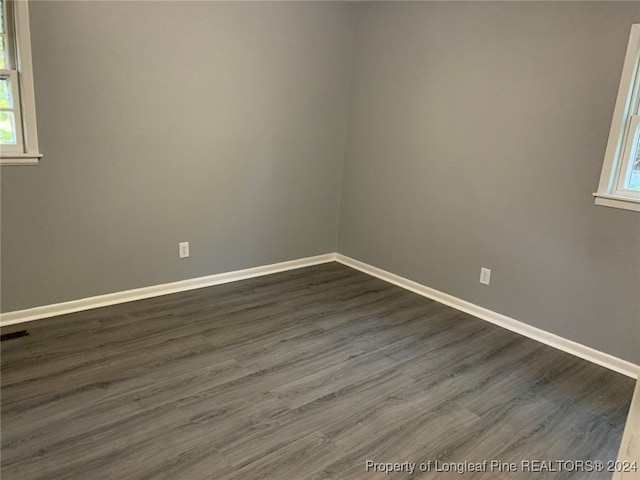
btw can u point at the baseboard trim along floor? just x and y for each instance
(89, 303)
(587, 353)
(595, 356)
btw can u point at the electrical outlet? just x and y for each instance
(485, 276)
(183, 249)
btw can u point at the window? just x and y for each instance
(18, 136)
(620, 179)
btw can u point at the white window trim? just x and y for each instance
(611, 192)
(29, 153)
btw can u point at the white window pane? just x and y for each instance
(6, 99)
(7, 128)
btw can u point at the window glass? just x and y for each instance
(7, 128)
(3, 53)
(6, 99)
(634, 177)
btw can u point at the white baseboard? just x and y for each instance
(37, 313)
(569, 346)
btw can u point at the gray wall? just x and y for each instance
(218, 124)
(476, 137)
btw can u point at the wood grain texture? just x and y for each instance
(305, 374)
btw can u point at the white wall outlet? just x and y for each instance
(485, 276)
(184, 249)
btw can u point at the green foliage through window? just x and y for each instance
(7, 128)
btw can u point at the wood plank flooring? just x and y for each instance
(300, 375)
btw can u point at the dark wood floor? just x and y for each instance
(300, 375)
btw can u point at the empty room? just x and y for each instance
(319, 240)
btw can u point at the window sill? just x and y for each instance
(614, 201)
(20, 159)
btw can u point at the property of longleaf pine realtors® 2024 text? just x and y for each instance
(534, 466)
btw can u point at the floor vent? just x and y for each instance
(12, 335)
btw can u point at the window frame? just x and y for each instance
(612, 191)
(20, 75)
